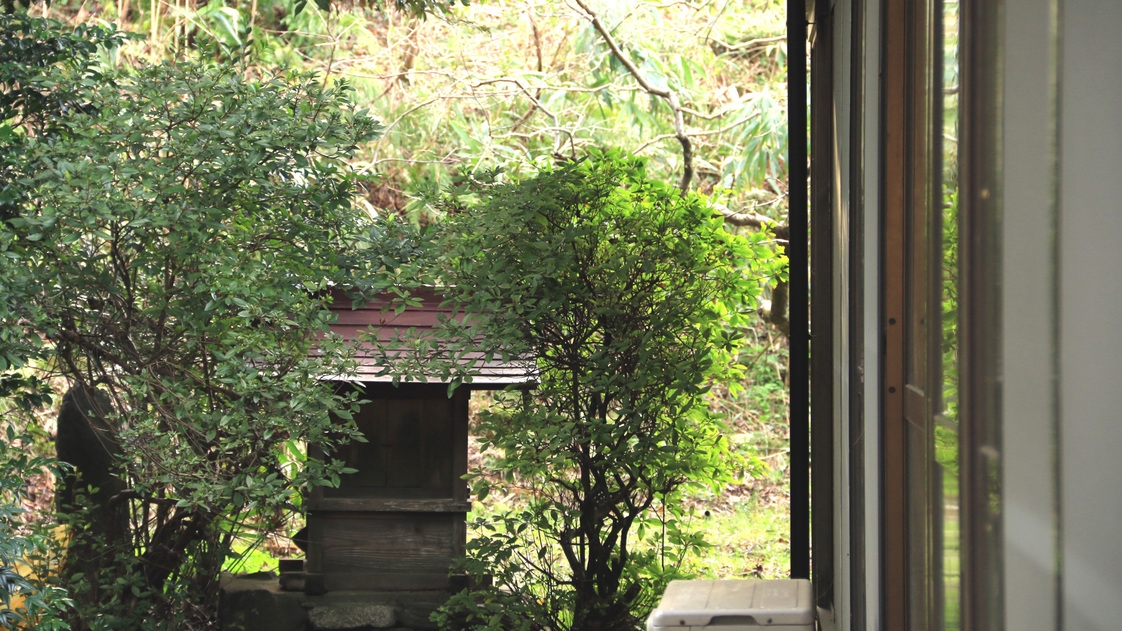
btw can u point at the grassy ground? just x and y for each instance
(748, 538)
(748, 524)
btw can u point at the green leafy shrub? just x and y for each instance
(28, 597)
(34, 52)
(174, 236)
(630, 296)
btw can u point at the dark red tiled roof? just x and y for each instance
(377, 317)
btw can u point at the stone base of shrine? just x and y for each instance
(256, 602)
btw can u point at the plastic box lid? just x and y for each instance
(728, 604)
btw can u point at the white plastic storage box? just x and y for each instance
(786, 605)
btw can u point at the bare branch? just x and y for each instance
(668, 94)
(558, 140)
(775, 310)
(541, 69)
(695, 134)
(747, 219)
(721, 47)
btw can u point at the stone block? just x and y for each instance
(339, 617)
(255, 603)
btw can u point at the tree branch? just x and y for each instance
(773, 311)
(747, 219)
(695, 134)
(668, 94)
(721, 47)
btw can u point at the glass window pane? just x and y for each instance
(946, 428)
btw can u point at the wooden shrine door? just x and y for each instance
(399, 520)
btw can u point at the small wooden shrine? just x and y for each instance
(397, 523)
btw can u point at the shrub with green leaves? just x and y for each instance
(25, 545)
(34, 54)
(631, 297)
(176, 234)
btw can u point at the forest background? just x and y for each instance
(697, 88)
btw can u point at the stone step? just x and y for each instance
(257, 603)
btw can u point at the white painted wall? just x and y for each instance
(1062, 315)
(1028, 318)
(1090, 295)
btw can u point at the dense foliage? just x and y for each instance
(629, 296)
(31, 50)
(166, 230)
(171, 238)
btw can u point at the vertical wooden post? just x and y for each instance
(798, 370)
(822, 303)
(893, 264)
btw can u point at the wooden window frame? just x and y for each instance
(911, 220)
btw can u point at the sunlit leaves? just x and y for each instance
(628, 295)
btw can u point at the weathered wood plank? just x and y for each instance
(388, 504)
(364, 549)
(367, 457)
(404, 446)
(436, 436)
(460, 443)
(399, 582)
